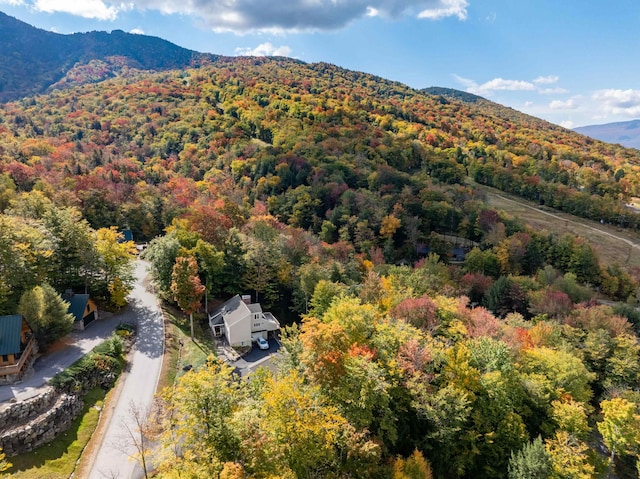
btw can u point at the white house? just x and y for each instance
(240, 321)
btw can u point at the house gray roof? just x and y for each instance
(233, 310)
(255, 308)
(10, 329)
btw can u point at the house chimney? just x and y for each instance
(246, 298)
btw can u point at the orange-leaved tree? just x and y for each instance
(186, 287)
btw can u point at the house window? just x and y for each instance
(257, 325)
(5, 358)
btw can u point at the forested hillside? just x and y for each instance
(438, 337)
(54, 60)
(279, 128)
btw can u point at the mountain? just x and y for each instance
(453, 93)
(33, 60)
(315, 142)
(312, 185)
(134, 150)
(626, 133)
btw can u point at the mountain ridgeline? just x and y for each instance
(626, 133)
(437, 337)
(32, 60)
(302, 138)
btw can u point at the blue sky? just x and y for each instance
(572, 62)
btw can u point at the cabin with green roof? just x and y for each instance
(82, 307)
(17, 347)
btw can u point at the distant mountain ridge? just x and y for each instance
(626, 133)
(452, 93)
(32, 60)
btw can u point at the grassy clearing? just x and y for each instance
(613, 245)
(194, 353)
(58, 458)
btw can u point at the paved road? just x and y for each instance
(67, 351)
(113, 459)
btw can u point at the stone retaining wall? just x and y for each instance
(27, 425)
(44, 428)
(15, 414)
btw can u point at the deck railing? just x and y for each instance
(270, 317)
(17, 367)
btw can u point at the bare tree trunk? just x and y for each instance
(206, 299)
(138, 435)
(612, 459)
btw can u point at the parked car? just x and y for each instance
(262, 343)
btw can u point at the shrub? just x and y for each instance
(100, 365)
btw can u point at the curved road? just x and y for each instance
(114, 458)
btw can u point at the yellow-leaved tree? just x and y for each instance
(413, 467)
(199, 433)
(620, 427)
(115, 260)
(306, 436)
(4, 464)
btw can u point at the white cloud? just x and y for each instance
(570, 104)
(467, 82)
(447, 8)
(595, 107)
(618, 102)
(552, 91)
(85, 8)
(497, 84)
(372, 12)
(137, 31)
(548, 80)
(500, 84)
(265, 50)
(243, 16)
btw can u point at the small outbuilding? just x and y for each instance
(82, 307)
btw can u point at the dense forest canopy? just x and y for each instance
(438, 337)
(309, 140)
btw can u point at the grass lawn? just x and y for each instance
(192, 353)
(58, 458)
(614, 245)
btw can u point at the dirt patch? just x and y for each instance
(614, 245)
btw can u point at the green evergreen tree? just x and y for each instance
(530, 462)
(162, 253)
(233, 273)
(47, 314)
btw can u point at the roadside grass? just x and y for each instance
(58, 458)
(611, 243)
(192, 352)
